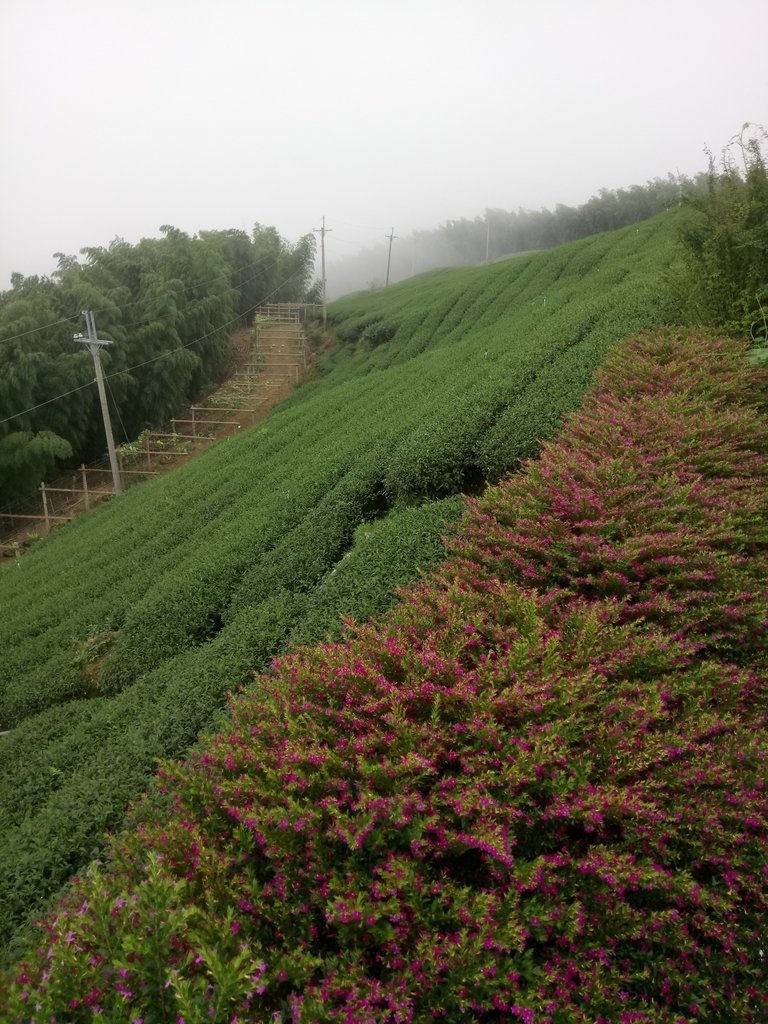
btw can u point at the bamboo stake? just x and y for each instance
(133, 472)
(18, 515)
(191, 437)
(73, 490)
(85, 486)
(45, 509)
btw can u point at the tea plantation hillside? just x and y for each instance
(534, 791)
(122, 632)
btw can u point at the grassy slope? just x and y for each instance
(153, 606)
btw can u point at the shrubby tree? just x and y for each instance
(725, 281)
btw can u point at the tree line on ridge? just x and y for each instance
(169, 304)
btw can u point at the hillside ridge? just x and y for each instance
(123, 631)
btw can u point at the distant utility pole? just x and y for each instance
(94, 345)
(390, 236)
(323, 231)
(487, 235)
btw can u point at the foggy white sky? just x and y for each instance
(117, 116)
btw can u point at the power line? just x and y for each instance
(116, 407)
(14, 337)
(390, 236)
(47, 402)
(190, 287)
(138, 302)
(149, 319)
(359, 227)
(154, 359)
(95, 345)
(323, 231)
(202, 337)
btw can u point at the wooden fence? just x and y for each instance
(288, 312)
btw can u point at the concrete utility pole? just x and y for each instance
(487, 235)
(390, 236)
(94, 345)
(323, 231)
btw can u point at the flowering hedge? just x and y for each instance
(535, 791)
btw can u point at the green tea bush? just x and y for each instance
(382, 558)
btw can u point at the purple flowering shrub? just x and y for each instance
(654, 498)
(535, 791)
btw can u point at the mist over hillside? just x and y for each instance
(499, 233)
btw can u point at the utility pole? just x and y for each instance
(487, 235)
(94, 346)
(390, 236)
(323, 231)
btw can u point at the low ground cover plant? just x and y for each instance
(534, 791)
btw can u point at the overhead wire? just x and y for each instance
(138, 302)
(154, 359)
(190, 287)
(135, 323)
(117, 410)
(48, 401)
(165, 316)
(34, 330)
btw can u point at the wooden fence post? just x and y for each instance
(45, 508)
(85, 486)
(194, 425)
(146, 446)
